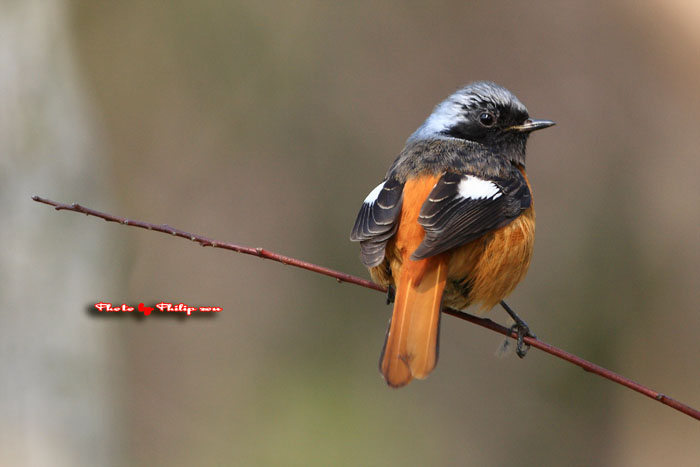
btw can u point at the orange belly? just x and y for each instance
(485, 271)
(482, 272)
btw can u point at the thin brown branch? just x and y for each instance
(205, 241)
(342, 277)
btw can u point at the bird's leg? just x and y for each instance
(522, 330)
(390, 294)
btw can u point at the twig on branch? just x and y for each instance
(205, 241)
(342, 277)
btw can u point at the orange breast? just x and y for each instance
(482, 272)
(489, 268)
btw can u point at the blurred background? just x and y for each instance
(266, 124)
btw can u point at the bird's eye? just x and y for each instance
(487, 119)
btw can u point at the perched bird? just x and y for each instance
(453, 222)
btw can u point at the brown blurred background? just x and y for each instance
(267, 123)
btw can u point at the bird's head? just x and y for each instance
(486, 114)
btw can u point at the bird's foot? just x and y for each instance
(521, 329)
(390, 295)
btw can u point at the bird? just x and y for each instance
(452, 223)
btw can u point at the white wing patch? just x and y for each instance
(374, 194)
(476, 188)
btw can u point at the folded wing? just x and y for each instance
(377, 221)
(463, 207)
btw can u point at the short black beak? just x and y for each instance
(532, 124)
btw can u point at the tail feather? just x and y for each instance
(411, 346)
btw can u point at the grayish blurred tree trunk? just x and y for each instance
(54, 366)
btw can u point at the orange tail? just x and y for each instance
(411, 346)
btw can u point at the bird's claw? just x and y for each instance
(522, 330)
(390, 295)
